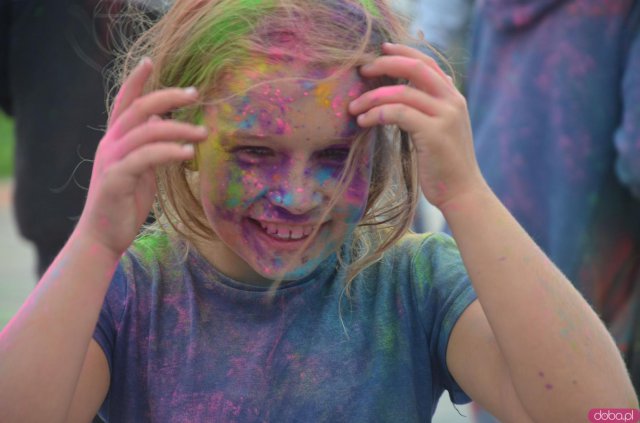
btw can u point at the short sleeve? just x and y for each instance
(111, 314)
(627, 138)
(444, 292)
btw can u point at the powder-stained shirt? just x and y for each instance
(185, 343)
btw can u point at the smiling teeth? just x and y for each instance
(286, 231)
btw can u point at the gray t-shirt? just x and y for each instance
(187, 344)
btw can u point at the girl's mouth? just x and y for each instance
(282, 231)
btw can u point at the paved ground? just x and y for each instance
(17, 275)
(17, 278)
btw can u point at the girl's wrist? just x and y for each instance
(470, 201)
(83, 240)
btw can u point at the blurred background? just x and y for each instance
(17, 275)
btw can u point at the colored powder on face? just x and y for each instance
(307, 85)
(351, 129)
(287, 200)
(244, 113)
(356, 89)
(282, 127)
(249, 122)
(235, 189)
(323, 175)
(354, 213)
(338, 106)
(323, 93)
(265, 120)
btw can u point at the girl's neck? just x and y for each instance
(228, 263)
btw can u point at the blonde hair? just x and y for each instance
(197, 42)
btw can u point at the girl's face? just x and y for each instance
(270, 168)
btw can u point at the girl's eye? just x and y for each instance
(252, 154)
(337, 155)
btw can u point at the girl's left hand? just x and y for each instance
(433, 112)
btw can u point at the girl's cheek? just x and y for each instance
(327, 177)
(357, 195)
(233, 192)
(242, 186)
(355, 208)
(221, 179)
(210, 162)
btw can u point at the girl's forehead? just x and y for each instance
(288, 83)
(280, 101)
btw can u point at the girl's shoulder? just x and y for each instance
(426, 262)
(412, 238)
(154, 251)
(158, 244)
(425, 245)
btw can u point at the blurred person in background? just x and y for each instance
(445, 26)
(553, 88)
(53, 59)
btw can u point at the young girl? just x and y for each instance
(279, 282)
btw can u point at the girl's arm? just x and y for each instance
(532, 346)
(44, 346)
(557, 354)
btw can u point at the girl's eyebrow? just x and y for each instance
(244, 135)
(249, 136)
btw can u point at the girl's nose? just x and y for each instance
(298, 192)
(295, 199)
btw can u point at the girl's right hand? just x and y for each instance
(123, 186)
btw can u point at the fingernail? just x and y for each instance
(143, 61)
(188, 147)
(191, 91)
(203, 130)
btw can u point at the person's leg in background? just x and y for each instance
(57, 58)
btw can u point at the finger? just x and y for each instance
(132, 88)
(156, 103)
(395, 94)
(421, 75)
(407, 118)
(403, 50)
(158, 130)
(152, 155)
